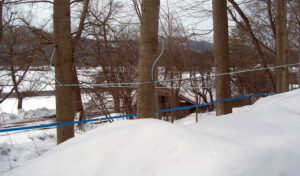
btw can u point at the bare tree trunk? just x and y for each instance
(117, 100)
(137, 8)
(211, 107)
(81, 24)
(77, 91)
(299, 45)
(281, 46)
(78, 107)
(15, 84)
(136, 5)
(14, 78)
(173, 113)
(157, 97)
(197, 102)
(1, 19)
(147, 54)
(221, 58)
(157, 104)
(63, 69)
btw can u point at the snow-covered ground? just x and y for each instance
(26, 115)
(31, 103)
(17, 148)
(261, 140)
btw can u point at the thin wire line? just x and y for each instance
(161, 53)
(51, 61)
(184, 87)
(106, 85)
(177, 79)
(230, 73)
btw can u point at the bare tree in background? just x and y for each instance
(221, 58)
(77, 93)
(147, 53)
(63, 69)
(137, 8)
(245, 25)
(281, 46)
(21, 48)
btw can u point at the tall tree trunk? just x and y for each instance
(136, 5)
(63, 69)
(299, 44)
(1, 19)
(147, 54)
(281, 46)
(221, 58)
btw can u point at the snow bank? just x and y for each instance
(31, 103)
(26, 115)
(261, 140)
(18, 148)
(37, 113)
(7, 117)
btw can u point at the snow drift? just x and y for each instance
(26, 115)
(263, 140)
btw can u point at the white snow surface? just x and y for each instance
(31, 103)
(25, 115)
(261, 140)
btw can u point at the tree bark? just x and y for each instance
(63, 69)
(1, 18)
(281, 46)
(221, 55)
(299, 45)
(147, 54)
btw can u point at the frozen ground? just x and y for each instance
(261, 140)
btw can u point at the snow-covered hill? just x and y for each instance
(261, 140)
